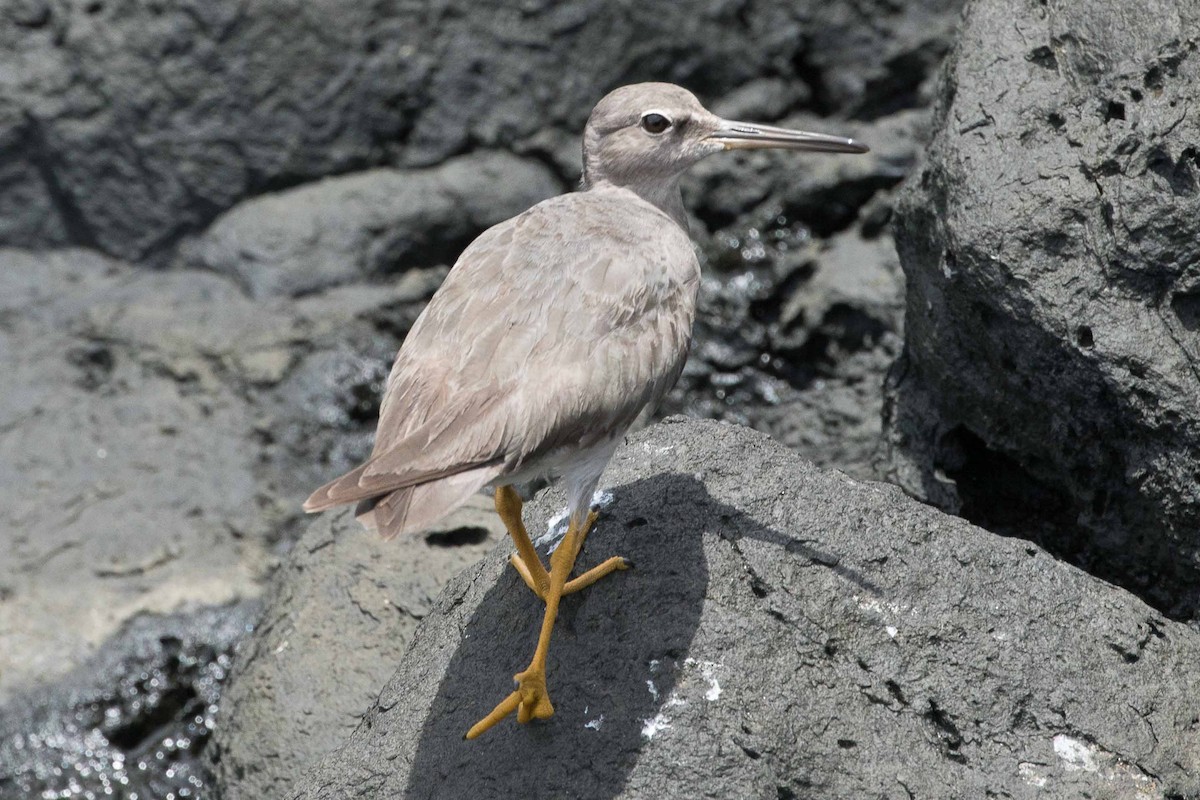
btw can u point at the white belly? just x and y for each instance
(580, 470)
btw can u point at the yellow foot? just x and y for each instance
(531, 700)
(607, 567)
(538, 580)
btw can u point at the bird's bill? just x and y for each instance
(750, 136)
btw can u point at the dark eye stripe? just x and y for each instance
(655, 123)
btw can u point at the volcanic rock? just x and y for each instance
(1051, 377)
(787, 632)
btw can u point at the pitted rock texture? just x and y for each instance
(1051, 376)
(787, 632)
(339, 615)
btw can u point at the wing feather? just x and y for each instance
(553, 329)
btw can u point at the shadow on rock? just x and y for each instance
(603, 649)
(788, 632)
(613, 668)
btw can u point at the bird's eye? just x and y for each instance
(655, 123)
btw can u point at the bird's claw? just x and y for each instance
(535, 697)
(531, 700)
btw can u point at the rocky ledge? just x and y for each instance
(787, 632)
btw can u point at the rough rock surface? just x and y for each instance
(341, 613)
(127, 125)
(787, 632)
(1052, 249)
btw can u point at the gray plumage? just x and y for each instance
(554, 329)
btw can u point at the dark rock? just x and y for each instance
(787, 632)
(126, 126)
(1052, 362)
(141, 121)
(855, 70)
(372, 224)
(130, 722)
(339, 616)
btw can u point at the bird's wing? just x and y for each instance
(554, 328)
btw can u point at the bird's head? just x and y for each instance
(652, 132)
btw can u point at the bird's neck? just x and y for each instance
(664, 195)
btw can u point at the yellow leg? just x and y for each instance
(580, 582)
(508, 506)
(526, 575)
(531, 700)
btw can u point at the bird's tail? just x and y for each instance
(417, 508)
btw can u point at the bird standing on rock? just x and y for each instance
(549, 336)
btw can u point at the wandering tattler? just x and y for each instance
(549, 336)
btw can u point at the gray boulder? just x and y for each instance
(341, 612)
(126, 126)
(367, 225)
(787, 632)
(1051, 243)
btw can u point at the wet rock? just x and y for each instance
(132, 721)
(787, 632)
(127, 126)
(801, 309)
(1051, 376)
(369, 225)
(340, 614)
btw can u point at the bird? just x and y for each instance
(548, 337)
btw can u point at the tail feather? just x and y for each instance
(337, 492)
(417, 508)
(349, 488)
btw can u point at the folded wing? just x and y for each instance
(553, 329)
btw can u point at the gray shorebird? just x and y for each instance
(549, 336)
